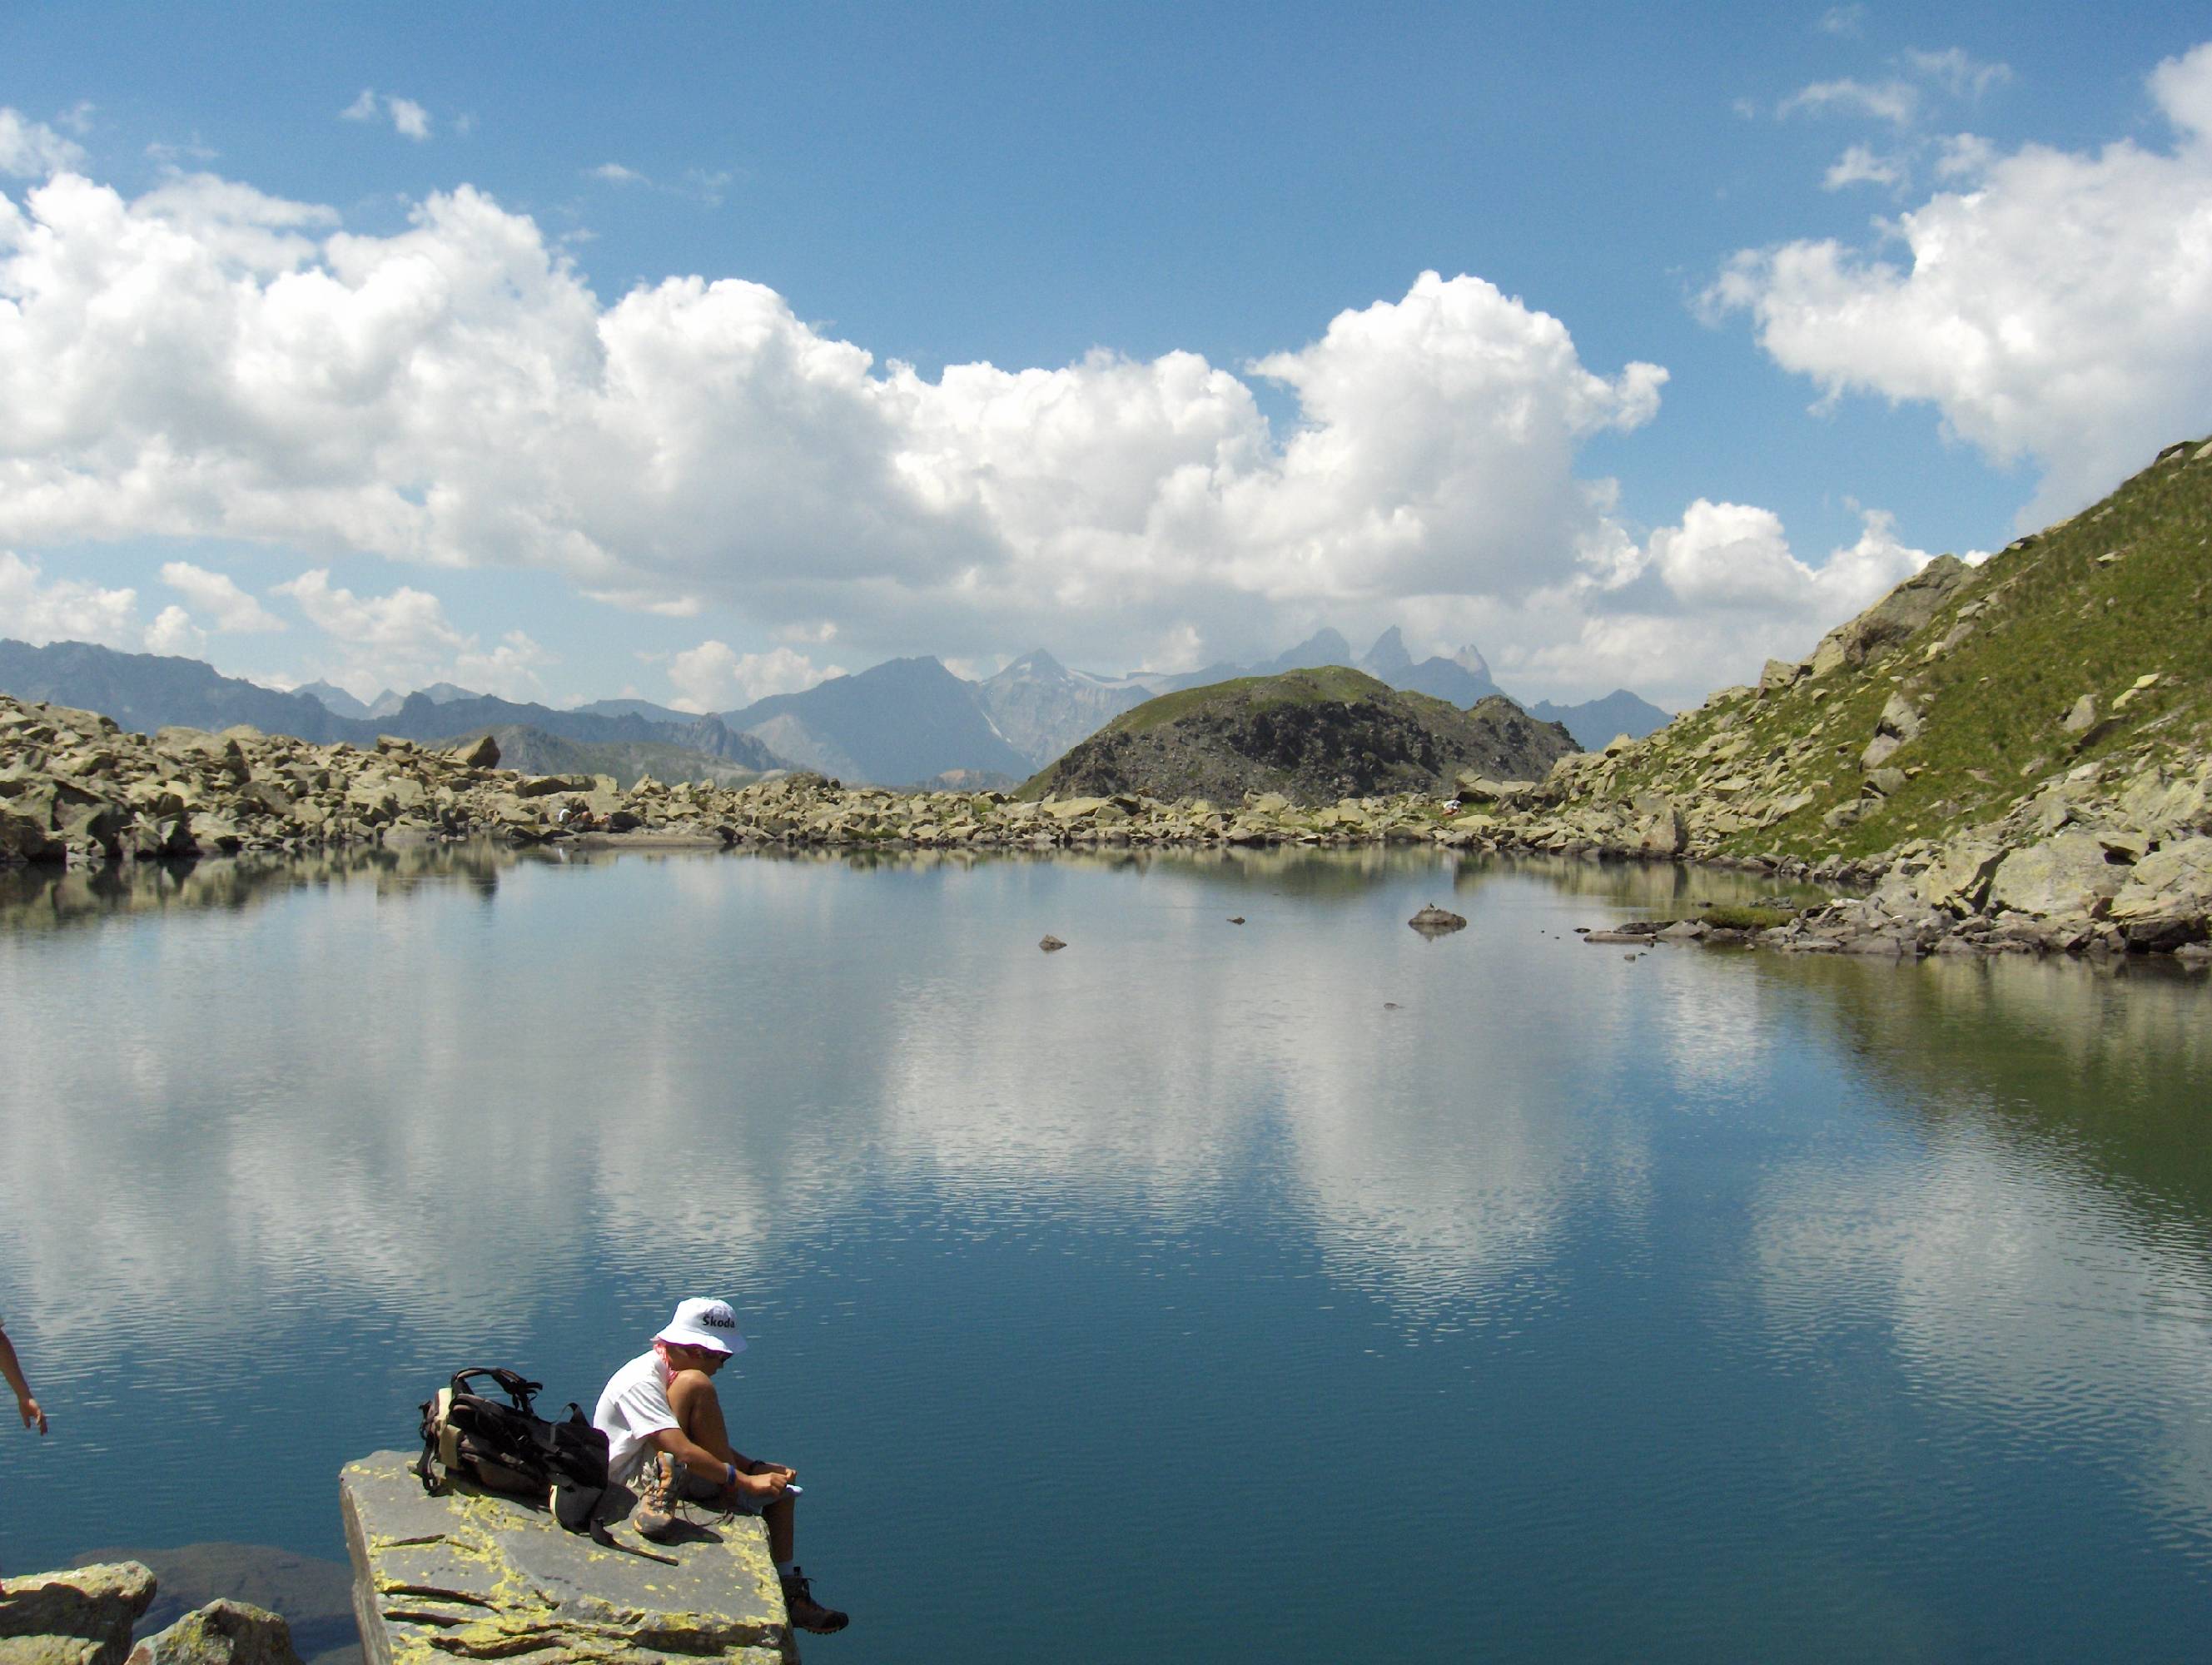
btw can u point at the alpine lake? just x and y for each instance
(1305, 1289)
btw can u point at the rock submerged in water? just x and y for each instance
(1435, 921)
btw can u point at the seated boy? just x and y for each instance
(665, 1440)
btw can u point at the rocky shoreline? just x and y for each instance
(2088, 865)
(85, 1616)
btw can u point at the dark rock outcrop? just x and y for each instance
(1311, 736)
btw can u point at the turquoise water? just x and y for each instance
(1300, 1289)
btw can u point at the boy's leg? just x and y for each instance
(699, 1413)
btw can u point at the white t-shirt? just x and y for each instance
(632, 1410)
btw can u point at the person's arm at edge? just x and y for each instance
(12, 1368)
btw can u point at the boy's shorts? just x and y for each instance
(698, 1491)
(691, 1488)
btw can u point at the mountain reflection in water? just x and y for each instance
(1690, 1302)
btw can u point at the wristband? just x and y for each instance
(732, 1468)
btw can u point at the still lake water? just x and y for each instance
(1303, 1290)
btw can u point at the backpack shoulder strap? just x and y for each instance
(520, 1390)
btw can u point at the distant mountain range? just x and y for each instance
(1594, 722)
(902, 722)
(148, 691)
(906, 722)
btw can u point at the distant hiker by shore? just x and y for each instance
(667, 1440)
(12, 1368)
(28, 1409)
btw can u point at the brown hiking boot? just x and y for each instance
(654, 1517)
(805, 1612)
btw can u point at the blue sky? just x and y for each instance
(1916, 280)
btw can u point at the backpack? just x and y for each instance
(508, 1447)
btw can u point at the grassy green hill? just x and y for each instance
(1315, 736)
(2082, 653)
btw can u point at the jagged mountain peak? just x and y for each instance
(1037, 662)
(1388, 658)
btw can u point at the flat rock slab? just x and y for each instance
(469, 1575)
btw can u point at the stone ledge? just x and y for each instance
(469, 1575)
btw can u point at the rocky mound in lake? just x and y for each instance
(1312, 736)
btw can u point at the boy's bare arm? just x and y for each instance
(753, 1479)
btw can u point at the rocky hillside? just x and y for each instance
(1311, 736)
(2024, 746)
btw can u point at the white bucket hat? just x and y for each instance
(703, 1322)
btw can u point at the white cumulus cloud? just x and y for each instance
(404, 640)
(1696, 605)
(1892, 101)
(218, 597)
(208, 360)
(716, 677)
(2056, 306)
(31, 149)
(408, 118)
(36, 609)
(1861, 165)
(173, 631)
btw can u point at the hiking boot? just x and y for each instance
(806, 1613)
(654, 1517)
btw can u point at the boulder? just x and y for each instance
(1778, 674)
(1958, 879)
(2136, 689)
(2066, 876)
(544, 785)
(468, 1575)
(81, 1616)
(1904, 610)
(2167, 898)
(27, 825)
(1073, 809)
(1900, 718)
(1435, 921)
(2082, 717)
(1660, 828)
(1885, 782)
(484, 754)
(1050, 944)
(2162, 804)
(221, 1633)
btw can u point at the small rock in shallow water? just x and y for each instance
(1236, 918)
(1434, 922)
(1050, 944)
